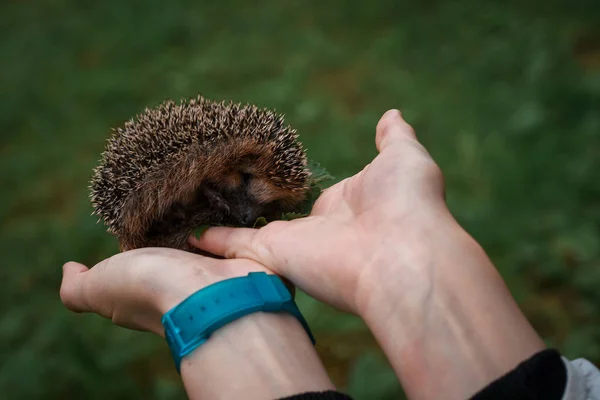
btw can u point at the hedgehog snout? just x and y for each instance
(243, 211)
(248, 216)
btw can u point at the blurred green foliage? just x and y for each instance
(505, 95)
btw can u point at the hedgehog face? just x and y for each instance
(240, 199)
(244, 194)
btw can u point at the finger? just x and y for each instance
(391, 128)
(227, 242)
(71, 293)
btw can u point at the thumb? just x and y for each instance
(253, 244)
(391, 128)
(71, 293)
(228, 242)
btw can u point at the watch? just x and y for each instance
(190, 323)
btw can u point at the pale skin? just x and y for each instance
(381, 244)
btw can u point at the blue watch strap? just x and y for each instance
(190, 323)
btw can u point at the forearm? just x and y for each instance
(260, 356)
(460, 328)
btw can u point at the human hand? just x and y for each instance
(356, 228)
(383, 244)
(135, 288)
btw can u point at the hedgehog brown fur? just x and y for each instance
(178, 166)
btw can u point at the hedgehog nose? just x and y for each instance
(247, 218)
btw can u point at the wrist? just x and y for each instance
(404, 260)
(261, 355)
(258, 355)
(443, 315)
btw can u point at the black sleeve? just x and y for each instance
(327, 395)
(542, 376)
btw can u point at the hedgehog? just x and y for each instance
(176, 167)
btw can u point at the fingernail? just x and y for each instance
(393, 113)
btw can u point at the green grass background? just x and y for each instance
(505, 95)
